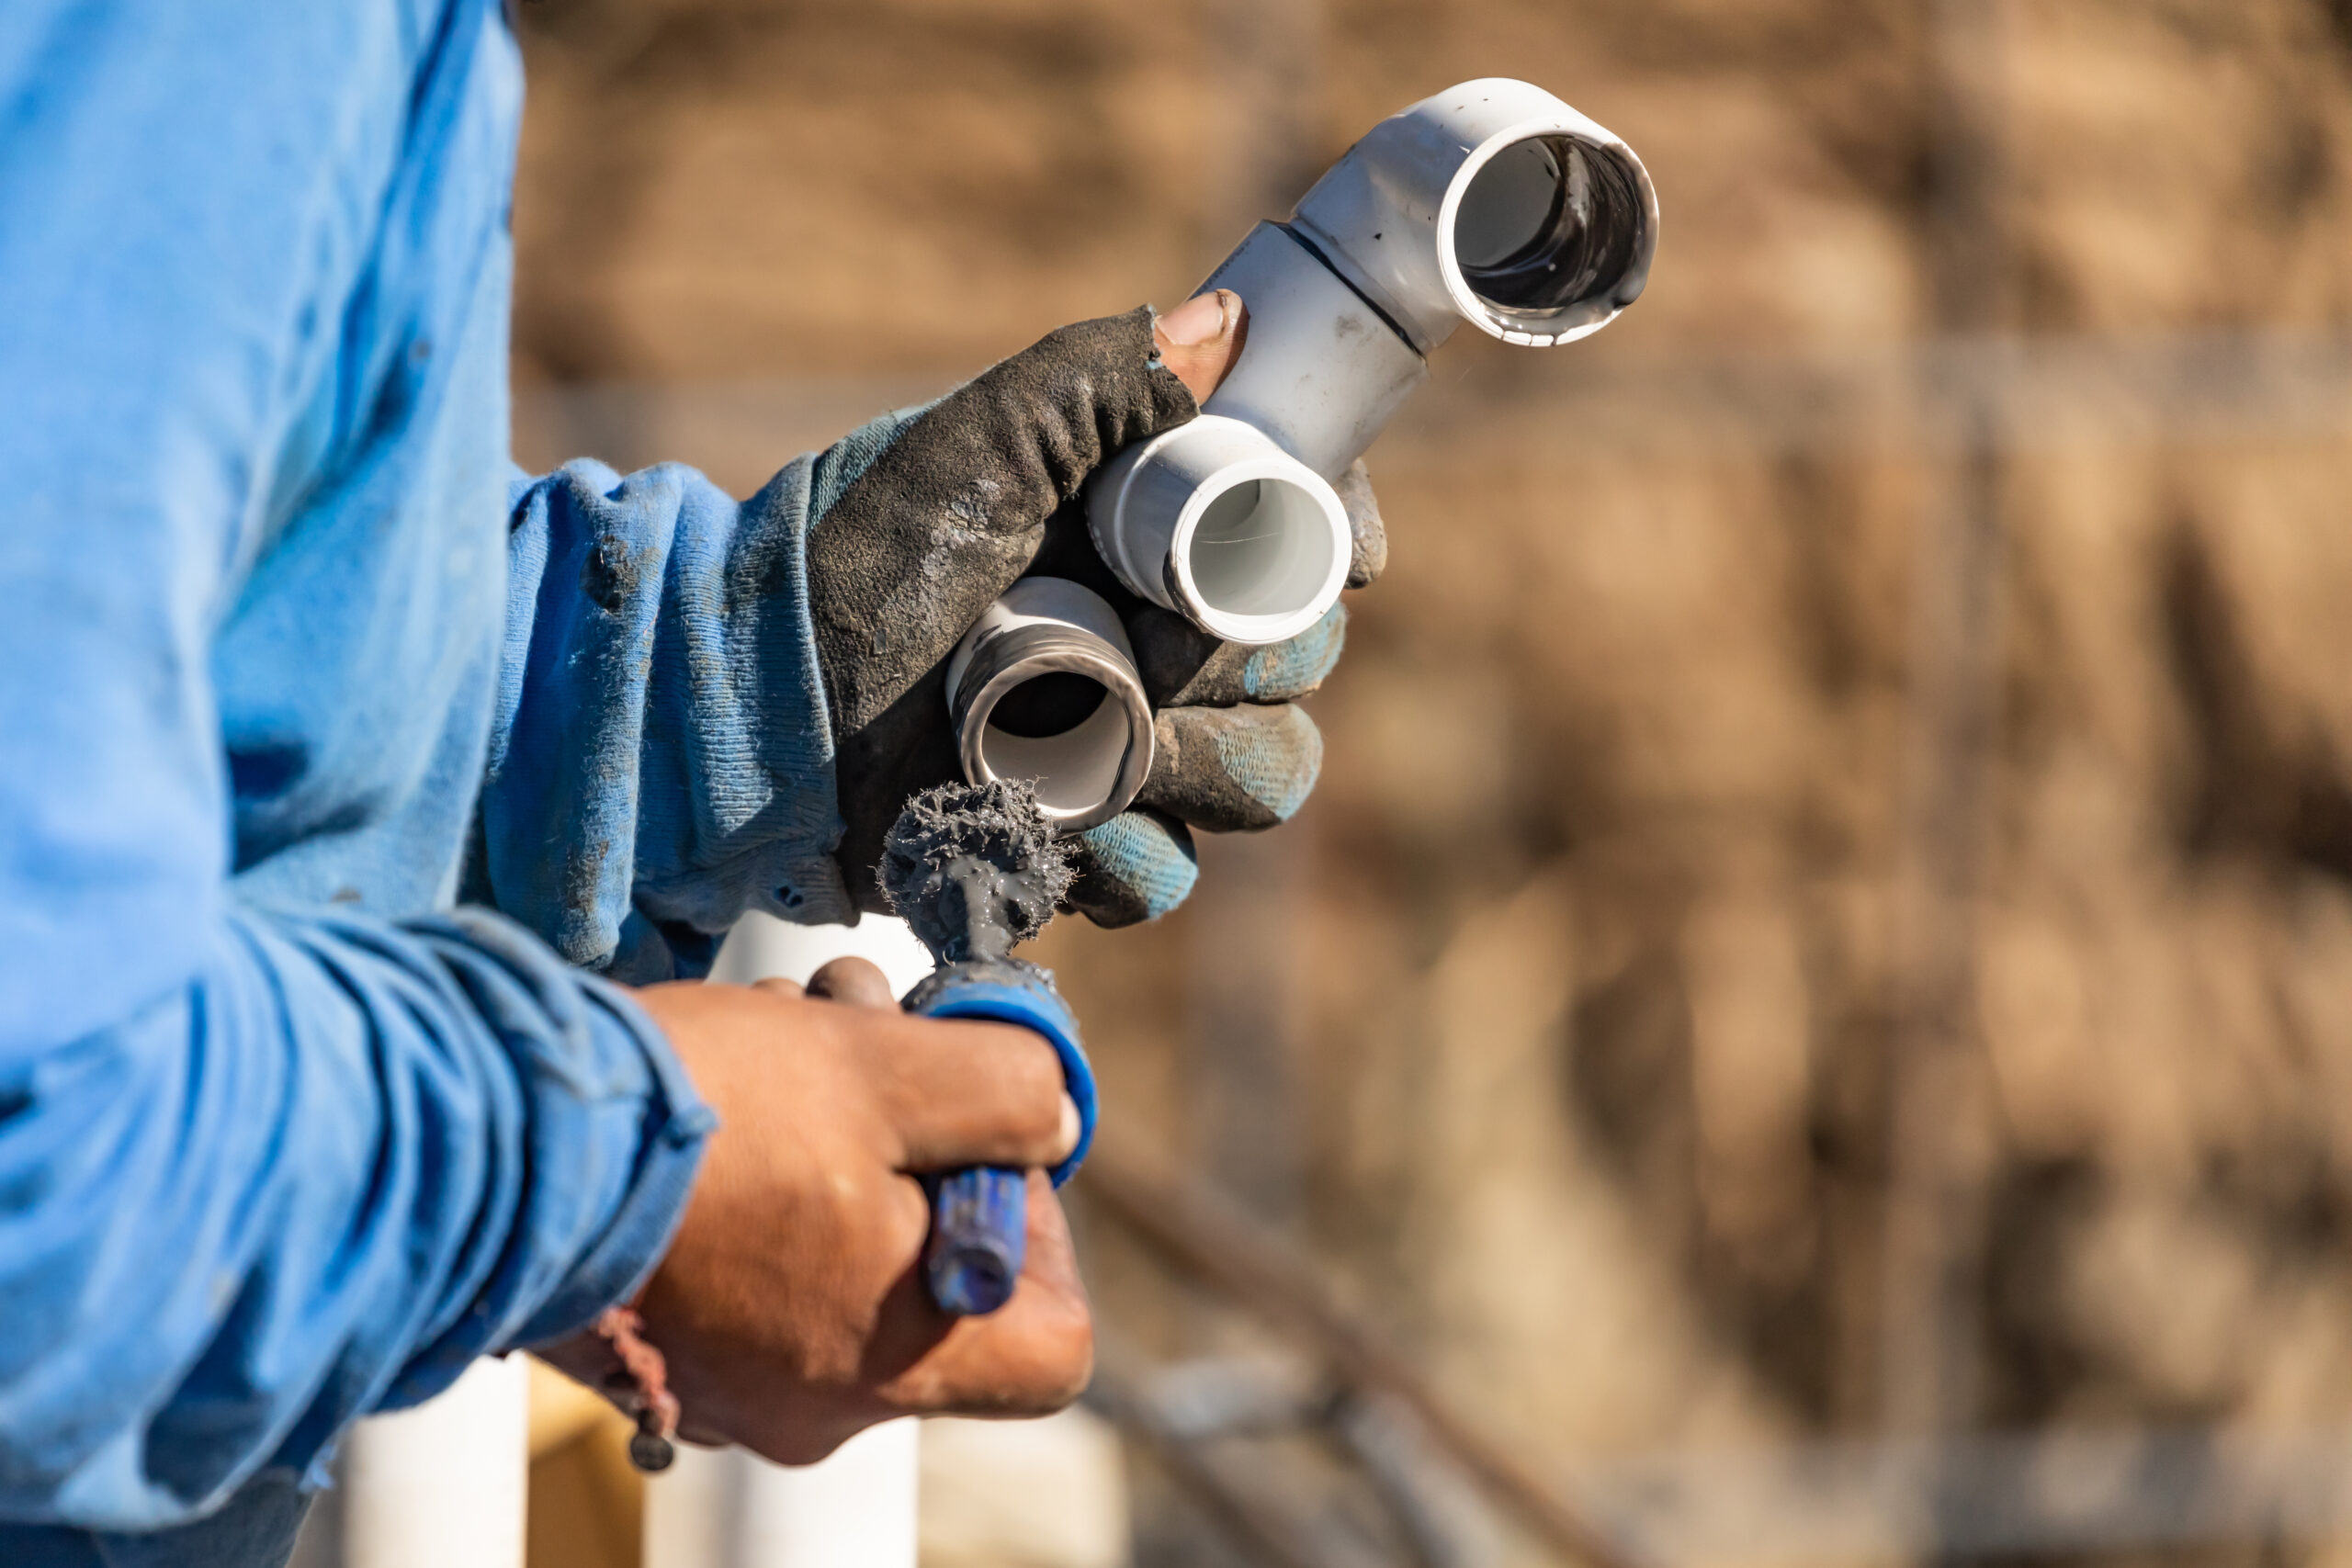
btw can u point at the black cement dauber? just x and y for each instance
(974, 869)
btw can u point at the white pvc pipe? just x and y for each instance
(446, 1485)
(856, 1509)
(762, 947)
(725, 1509)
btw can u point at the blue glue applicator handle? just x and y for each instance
(980, 1216)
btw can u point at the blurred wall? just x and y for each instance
(1603, 949)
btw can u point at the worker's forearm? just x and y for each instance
(342, 1161)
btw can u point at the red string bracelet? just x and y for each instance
(640, 1386)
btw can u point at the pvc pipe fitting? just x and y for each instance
(1214, 520)
(1044, 687)
(1492, 202)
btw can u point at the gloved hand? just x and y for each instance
(920, 524)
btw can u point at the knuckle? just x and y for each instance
(844, 1211)
(1034, 1077)
(907, 1224)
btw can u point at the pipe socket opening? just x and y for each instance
(1047, 705)
(1075, 766)
(1045, 689)
(1214, 521)
(1550, 233)
(1260, 547)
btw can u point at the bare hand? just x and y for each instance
(792, 1308)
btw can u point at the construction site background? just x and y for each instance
(1819, 972)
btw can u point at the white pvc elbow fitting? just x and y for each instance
(1044, 688)
(1493, 203)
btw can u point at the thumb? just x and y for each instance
(1202, 339)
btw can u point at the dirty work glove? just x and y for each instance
(1232, 752)
(922, 520)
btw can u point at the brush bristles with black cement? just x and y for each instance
(974, 869)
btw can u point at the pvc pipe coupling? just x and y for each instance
(1493, 203)
(1044, 687)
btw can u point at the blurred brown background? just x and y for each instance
(1822, 956)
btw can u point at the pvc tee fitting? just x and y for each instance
(1044, 688)
(1492, 203)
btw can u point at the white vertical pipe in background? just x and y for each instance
(725, 1509)
(446, 1485)
(856, 1509)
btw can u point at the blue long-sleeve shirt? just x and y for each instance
(288, 654)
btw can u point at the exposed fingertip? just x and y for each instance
(1197, 319)
(1200, 339)
(855, 982)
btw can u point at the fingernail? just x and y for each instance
(1197, 319)
(1067, 1141)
